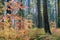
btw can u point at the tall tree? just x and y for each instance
(39, 14)
(45, 14)
(58, 14)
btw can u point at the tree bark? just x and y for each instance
(45, 14)
(58, 14)
(39, 15)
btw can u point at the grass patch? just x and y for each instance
(33, 34)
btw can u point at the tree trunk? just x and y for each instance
(58, 14)
(45, 14)
(39, 15)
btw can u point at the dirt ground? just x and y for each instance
(56, 31)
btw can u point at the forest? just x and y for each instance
(29, 20)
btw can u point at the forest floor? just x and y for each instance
(31, 34)
(56, 31)
(41, 35)
(55, 35)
